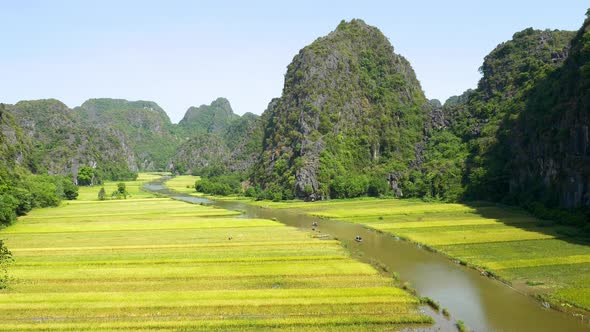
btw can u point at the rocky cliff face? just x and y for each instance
(551, 141)
(349, 104)
(351, 107)
(117, 136)
(143, 124)
(60, 143)
(214, 118)
(219, 139)
(510, 138)
(15, 146)
(202, 150)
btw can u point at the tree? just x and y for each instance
(102, 194)
(5, 260)
(8, 206)
(44, 190)
(24, 200)
(121, 191)
(377, 187)
(349, 186)
(70, 189)
(85, 175)
(121, 188)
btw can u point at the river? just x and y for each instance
(484, 304)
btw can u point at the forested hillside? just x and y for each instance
(550, 161)
(219, 141)
(20, 191)
(213, 118)
(524, 129)
(60, 143)
(473, 126)
(351, 114)
(143, 124)
(483, 121)
(352, 120)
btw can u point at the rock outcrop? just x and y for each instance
(218, 138)
(349, 105)
(142, 124)
(214, 118)
(550, 158)
(60, 143)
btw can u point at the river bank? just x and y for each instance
(510, 222)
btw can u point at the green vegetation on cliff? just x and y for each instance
(352, 120)
(219, 140)
(58, 142)
(483, 122)
(142, 124)
(44, 137)
(550, 161)
(350, 105)
(214, 118)
(525, 127)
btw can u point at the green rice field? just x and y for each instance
(148, 263)
(506, 242)
(183, 184)
(133, 188)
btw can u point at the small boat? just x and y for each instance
(314, 224)
(358, 238)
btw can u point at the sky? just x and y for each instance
(188, 53)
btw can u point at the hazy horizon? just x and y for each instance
(182, 54)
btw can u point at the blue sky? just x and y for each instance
(185, 53)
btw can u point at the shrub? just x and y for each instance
(85, 175)
(24, 200)
(44, 191)
(252, 191)
(102, 195)
(222, 185)
(348, 186)
(8, 207)
(377, 187)
(461, 326)
(446, 313)
(5, 260)
(70, 190)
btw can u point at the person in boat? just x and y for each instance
(314, 224)
(358, 238)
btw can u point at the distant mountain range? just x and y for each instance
(352, 120)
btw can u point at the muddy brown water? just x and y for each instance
(484, 304)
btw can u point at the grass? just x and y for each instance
(90, 193)
(333, 323)
(148, 263)
(461, 326)
(580, 295)
(183, 184)
(506, 241)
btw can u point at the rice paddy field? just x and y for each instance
(506, 242)
(148, 263)
(133, 188)
(184, 184)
